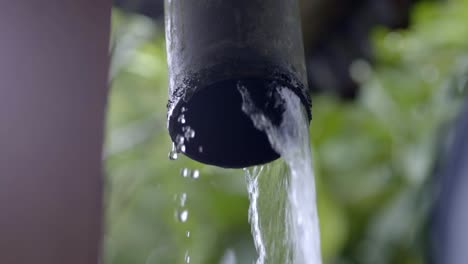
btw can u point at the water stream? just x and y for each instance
(283, 211)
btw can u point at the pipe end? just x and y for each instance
(215, 129)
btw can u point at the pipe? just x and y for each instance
(212, 47)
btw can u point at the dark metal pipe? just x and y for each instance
(215, 45)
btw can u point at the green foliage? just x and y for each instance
(373, 157)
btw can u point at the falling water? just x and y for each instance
(297, 227)
(252, 177)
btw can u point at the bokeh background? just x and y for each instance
(387, 87)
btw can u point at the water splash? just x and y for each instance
(291, 140)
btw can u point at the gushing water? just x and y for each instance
(252, 187)
(301, 236)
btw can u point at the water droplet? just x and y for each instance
(183, 216)
(185, 172)
(200, 149)
(181, 119)
(183, 109)
(187, 257)
(189, 133)
(180, 140)
(195, 174)
(187, 234)
(173, 153)
(183, 199)
(182, 148)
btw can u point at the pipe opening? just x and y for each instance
(224, 135)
